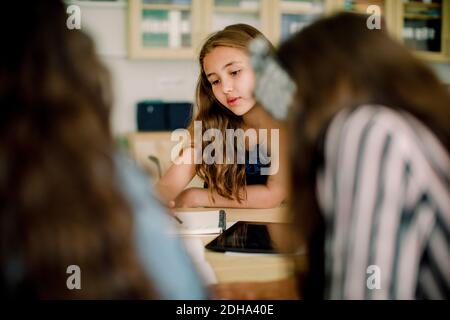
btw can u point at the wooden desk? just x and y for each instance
(230, 267)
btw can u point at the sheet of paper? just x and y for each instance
(205, 231)
(199, 222)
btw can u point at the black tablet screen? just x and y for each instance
(253, 237)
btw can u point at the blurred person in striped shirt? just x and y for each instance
(370, 168)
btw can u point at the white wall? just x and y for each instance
(138, 80)
(133, 80)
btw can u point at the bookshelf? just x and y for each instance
(424, 26)
(175, 29)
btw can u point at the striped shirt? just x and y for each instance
(384, 191)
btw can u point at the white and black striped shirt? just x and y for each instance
(385, 194)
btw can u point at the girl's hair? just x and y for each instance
(228, 180)
(339, 63)
(60, 198)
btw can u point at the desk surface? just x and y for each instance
(230, 267)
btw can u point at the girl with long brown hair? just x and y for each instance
(225, 103)
(68, 202)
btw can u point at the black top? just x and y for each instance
(253, 171)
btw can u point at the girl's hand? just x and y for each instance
(190, 198)
(171, 207)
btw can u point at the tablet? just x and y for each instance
(250, 237)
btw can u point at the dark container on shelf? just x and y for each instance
(163, 116)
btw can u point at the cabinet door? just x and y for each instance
(292, 15)
(361, 6)
(424, 27)
(163, 28)
(152, 151)
(386, 7)
(227, 12)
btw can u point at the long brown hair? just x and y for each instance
(59, 194)
(228, 180)
(339, 63)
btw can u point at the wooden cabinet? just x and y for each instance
(226, 12)
(152, 151)
(175, 29)
(387, 8)
(164, 29)
(289, 16)
(424, 26)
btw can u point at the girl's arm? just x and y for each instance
(258, 196)
(176, 178)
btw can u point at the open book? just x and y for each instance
(201, 222)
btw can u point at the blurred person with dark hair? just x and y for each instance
(67, 197)
(369, 166)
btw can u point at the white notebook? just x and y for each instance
(201, 222)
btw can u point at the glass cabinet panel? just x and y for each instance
(169, 2)
(360, 6)
(166, 24)
(423, 25)
(174, 29)
(296, 14)
(247, 4)
(386, 7)
(226, 12)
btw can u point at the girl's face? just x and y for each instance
(231, 77)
